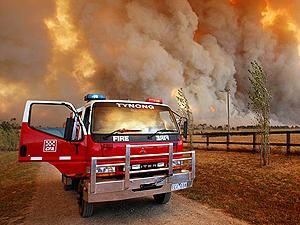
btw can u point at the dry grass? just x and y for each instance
(17, 187)
(235, 183)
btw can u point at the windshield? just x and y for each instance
(134, 117)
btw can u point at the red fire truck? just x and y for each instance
(109, 150)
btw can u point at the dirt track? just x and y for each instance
(52, 205)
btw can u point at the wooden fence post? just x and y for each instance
(228, 140)
(254, 142)
(207, 142)
(288, 142)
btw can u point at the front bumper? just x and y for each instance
(138, 187)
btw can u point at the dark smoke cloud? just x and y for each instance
(137, 49)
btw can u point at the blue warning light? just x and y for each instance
(90, 97)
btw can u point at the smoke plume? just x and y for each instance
(63, 49)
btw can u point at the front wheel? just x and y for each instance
(86, 209)
(162, 198)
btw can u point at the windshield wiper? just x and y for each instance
(160, 131)
(123, 130)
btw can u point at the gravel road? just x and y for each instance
(52, 205)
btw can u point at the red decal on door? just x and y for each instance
(50, 145)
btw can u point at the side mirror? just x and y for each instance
(69, 129)
(185, 129)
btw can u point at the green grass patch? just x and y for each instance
(17, 187)
(235, 183)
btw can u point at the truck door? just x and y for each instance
(52, 131)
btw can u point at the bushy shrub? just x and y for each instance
(9, 135)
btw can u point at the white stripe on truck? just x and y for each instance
(64, 157)
(36, 158)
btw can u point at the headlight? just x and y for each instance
(106, 169)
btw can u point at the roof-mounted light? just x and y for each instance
(154, 100)
(90, 97)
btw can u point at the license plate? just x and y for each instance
(179, 186)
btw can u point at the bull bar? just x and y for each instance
(132, 187)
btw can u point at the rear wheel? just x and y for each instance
(162, 198)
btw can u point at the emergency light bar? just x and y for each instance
(90, 97)
(154, 100)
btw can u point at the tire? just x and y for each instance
(162, 198)
(86, 209)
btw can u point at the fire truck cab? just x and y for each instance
(109, 150)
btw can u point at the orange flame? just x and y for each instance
(61, 27)
(67, 39)
(233, 2)
(212, 109)
(85, 66)
(270, 15)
